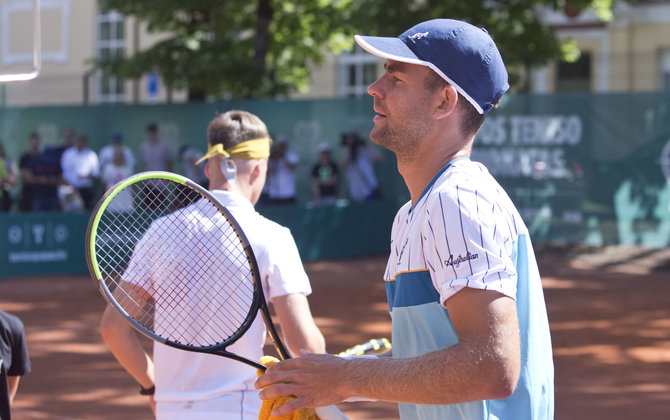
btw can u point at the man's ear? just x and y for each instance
(255, 172)
(447, 98)
(207, 170)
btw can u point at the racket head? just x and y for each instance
(374, 346)
(198, 308)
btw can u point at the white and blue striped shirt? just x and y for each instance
(465, 232)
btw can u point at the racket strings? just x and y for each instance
(176, 265)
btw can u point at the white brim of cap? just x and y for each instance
(395, 49)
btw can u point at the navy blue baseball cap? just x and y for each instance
(462, 54)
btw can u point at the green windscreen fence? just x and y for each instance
(588, 169)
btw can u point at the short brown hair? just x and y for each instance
(234, 127)
(472, 120)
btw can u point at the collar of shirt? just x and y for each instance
(232, 199)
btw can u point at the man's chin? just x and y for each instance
(377, 136)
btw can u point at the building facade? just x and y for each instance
(73, 34)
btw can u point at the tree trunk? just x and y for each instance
(264, 17)
(196, 95)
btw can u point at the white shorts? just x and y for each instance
(240, 405)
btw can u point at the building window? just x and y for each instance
(575, 76)
(357, 70)
(665, 70)
(110, 43)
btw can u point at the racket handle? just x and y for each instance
(330, 413)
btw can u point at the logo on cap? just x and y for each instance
(418, 36)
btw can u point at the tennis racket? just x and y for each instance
(136, 242)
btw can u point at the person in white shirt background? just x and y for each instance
(81, 169)
(106, 154)
(281, 173)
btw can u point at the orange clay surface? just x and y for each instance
(609, 313)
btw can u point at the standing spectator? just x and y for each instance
(81, 169)
(325, 176)
(193, 170)
(41, 176)
(281, 174)
(26, 163)
(106, 154)
(67, 141)
(14, 360)
(155, 155)
(9, 176)
(115, 171)
(358, 161)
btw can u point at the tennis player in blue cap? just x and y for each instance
(470, 331)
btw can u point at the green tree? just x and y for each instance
(523, 39)
(246, 49)
(265, 48)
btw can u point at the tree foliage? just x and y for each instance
(247, 49)
(265, 48)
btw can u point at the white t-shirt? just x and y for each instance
(79, 166)
(281, 177)
(361, 178)
(106, 155)
(190, 376)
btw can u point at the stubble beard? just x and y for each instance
(403, 141)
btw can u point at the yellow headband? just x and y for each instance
(250, 149)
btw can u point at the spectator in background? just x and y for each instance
(9, 176)
(155, 155)
(14, 360)
(67, 141)
(115, 171)
(189, 157)
(106, 154)
(41, 175)
(81, 169)
(26, 163)
(357, 161)
(281, 174)
(325, 176)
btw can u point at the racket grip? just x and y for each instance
(330, 413)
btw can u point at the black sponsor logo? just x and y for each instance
(455, 262)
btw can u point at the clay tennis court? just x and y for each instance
(609, 313)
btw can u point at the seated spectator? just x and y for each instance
(107, 153)
(81, 169)
(325, 176)
(112, 173)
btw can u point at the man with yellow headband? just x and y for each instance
(197, 386)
